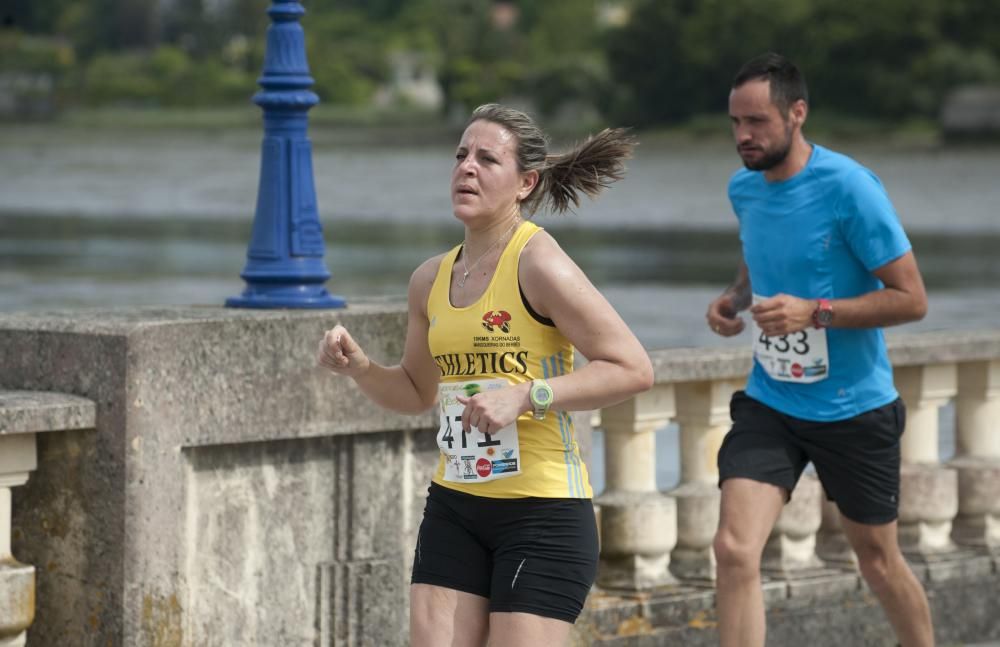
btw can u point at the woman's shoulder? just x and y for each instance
(541, 251)
(544, 266)
(422, 280)
(427, 271)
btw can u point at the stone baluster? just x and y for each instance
(928, 491)
(703, 417)
(24, 415)
(831, 542)
(638, 523)
(977, 460)
(17, 581)
(791, 548)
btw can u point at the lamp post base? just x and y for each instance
(296, 296)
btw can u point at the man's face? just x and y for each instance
(763, 135)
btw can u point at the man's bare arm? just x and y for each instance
(903, 298)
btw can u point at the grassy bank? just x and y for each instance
(417, 127)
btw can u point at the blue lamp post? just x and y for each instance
(285, 267)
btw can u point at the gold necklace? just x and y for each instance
(469, 268)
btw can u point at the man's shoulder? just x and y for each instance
(844, 178)
(829, 164)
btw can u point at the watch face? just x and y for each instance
(824, 317)
(541, 395)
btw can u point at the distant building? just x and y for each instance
(27, 95)
(971, 111)
(613, 13)
(504, 15)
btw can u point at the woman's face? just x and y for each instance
(485, 182)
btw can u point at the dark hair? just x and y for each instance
(588, 168)
(786, 82)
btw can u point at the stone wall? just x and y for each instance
(230, 494)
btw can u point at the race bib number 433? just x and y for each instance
(474, 457)
(796, 357)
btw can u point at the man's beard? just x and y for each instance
(771, 158)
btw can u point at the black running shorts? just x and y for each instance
(857, 460)
(529, 555)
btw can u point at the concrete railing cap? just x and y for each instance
(914, 349)
(24, 412)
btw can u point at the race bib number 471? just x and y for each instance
(800, 357)
(474, 457)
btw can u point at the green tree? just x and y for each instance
(563, 55)
(346, 55)
(888, 59)
(474, 61)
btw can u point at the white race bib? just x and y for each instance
(474, 457)
(800, 357)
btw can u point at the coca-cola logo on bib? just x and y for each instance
(484, 467)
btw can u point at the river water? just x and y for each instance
(102, 217)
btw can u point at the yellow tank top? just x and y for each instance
(497, 337)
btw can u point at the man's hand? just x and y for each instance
(722, 316)
(783, 314)
(341, 354)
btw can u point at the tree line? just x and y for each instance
(643, 62)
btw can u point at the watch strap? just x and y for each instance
(823, 314)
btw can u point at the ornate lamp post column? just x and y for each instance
(285, 266)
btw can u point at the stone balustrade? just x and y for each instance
(947, 509)
(23, 414)
(230, 493)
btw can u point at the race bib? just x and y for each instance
(474, 457)
(800, 357)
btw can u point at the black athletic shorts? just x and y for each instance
(857, 460)
(529, 555)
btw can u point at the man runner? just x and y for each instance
(825, 265)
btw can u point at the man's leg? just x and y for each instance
(892, 581)
(441, 617)
(749, 511)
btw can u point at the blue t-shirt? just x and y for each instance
(820, 234)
